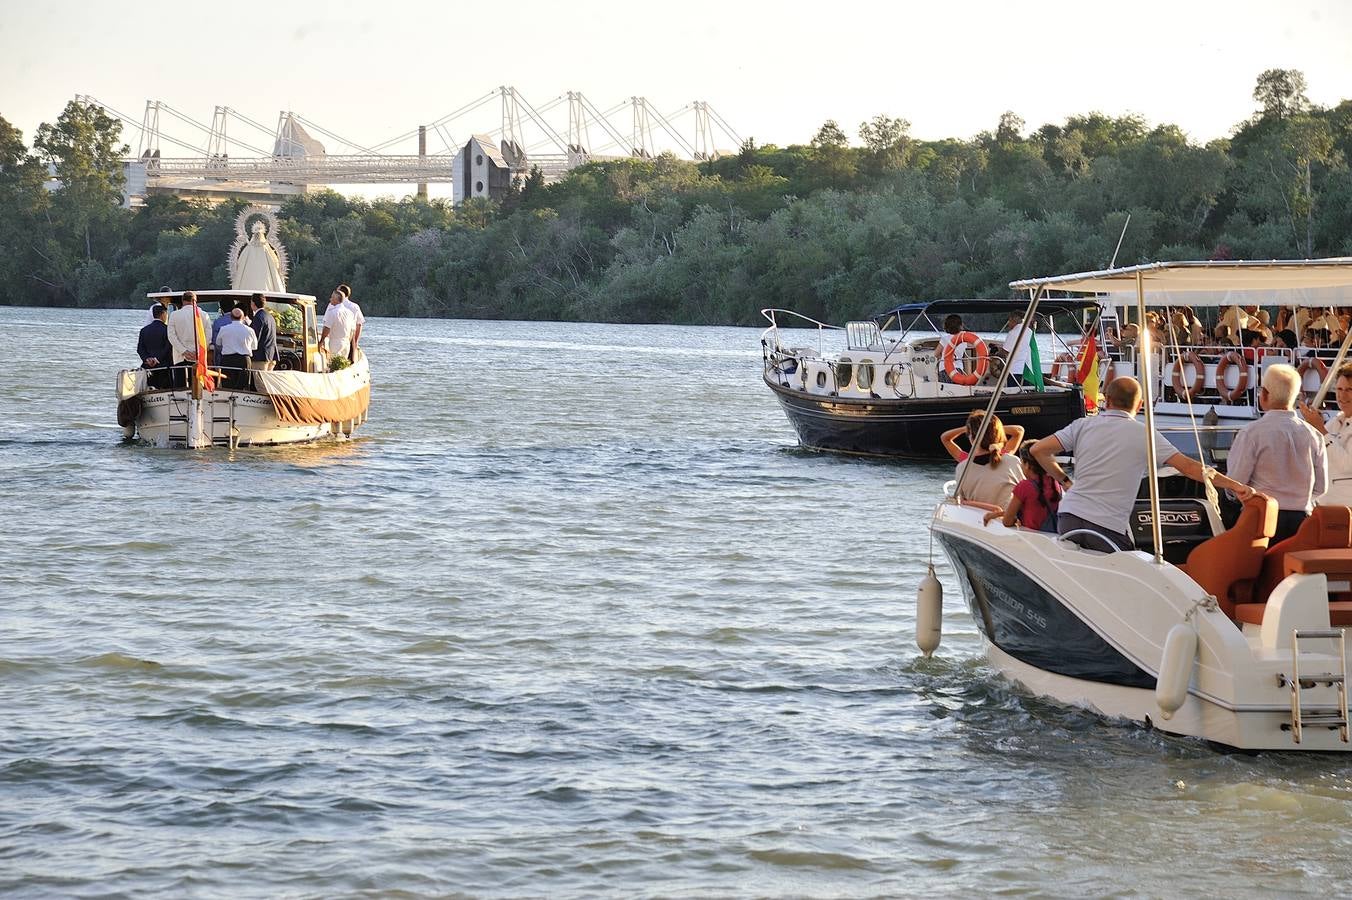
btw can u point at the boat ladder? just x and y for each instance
(1317, 716)
(227, 436)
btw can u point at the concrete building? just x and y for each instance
(480, 171)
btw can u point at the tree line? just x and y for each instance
(834, 228)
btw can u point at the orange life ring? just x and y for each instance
(950, 362)
(1313, 362)
(1190, 392)
(1234, 357)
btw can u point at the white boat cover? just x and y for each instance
(1310, 282)
(312, 398)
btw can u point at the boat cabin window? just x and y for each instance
(865, 376)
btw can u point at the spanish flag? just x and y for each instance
(200, 342)
(1088, 375)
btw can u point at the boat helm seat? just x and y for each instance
(1225, 564)
(1327, 528)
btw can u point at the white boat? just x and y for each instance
(306, 397)
(299, 401)
(1231, 641)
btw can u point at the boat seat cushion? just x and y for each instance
(1327, 528)
(1235, 555)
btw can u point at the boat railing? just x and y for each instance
(770, 336)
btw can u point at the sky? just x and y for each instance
(774, 71)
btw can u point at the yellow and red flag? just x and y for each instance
(200, 345)
(1088, 374)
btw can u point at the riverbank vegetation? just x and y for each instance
(834, 228)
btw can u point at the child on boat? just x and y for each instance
(1035, 499)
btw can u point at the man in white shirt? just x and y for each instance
(1110, 461)
(1337, 437)
(182, 331)
(339, 324)
(1018, 355)
(356, 312)
(1280, 454)
(236, 343)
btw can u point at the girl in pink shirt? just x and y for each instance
(1035, 499)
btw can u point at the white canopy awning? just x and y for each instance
(1308, 282)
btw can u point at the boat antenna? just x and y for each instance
(1112, 262)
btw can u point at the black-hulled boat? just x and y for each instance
(891, 392)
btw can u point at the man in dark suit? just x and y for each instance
(153, 346)
(265, 327)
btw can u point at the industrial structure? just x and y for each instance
(231, 157)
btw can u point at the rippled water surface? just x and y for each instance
(573, 617)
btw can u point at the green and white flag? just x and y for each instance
(1032, 370)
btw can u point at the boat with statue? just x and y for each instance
(309, 395)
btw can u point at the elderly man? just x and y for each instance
(235, 344)
(1280, 454)
(1110, 461)
(1337, 434)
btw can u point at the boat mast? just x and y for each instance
(1145, 352)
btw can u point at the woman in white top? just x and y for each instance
(989, 474)
(1337, 434)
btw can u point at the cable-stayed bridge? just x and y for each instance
(239, 156)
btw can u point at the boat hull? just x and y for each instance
(1090, 630)
(910, 429)
(286, 408)
(1026, 621)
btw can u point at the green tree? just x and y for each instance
(1281, 92)
(886, 142)
(1284, 172)
(23, 204)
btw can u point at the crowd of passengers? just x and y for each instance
(1291, 454)
(241, 340)
(1300, 330)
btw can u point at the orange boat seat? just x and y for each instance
(1226, 564)
(1327, 528)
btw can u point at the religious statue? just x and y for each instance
(257, 262)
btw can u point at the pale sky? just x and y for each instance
(774, 71)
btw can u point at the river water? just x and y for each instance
(573, 617)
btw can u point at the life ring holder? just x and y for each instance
(956, 375)
(1312, 362)
(1190, 392)
(1233, 358)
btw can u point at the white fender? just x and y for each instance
(929, 614)
(1180, 652)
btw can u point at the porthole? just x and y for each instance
(821, 379)
(479, 160)
(865, 376)
(890, 378)
(844, 371)
(478, 187)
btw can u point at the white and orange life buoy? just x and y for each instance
(1190, 391)
(1318, 365)
(1233, 358)
(956, 374)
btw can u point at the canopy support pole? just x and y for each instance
(1146, 353)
